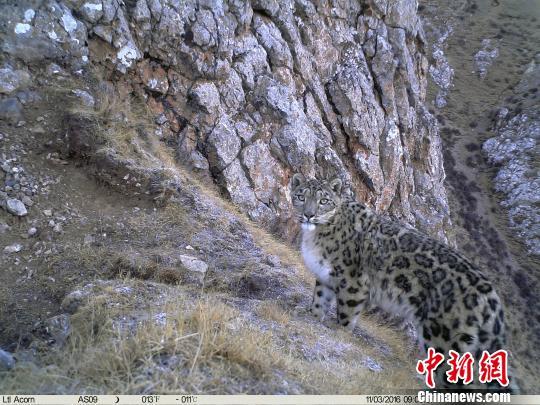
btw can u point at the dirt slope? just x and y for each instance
(147, 280)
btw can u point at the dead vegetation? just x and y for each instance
(150, 329)
(274, 312)
(108, 120)
(136, 335)
(199, 345)
(125, 126)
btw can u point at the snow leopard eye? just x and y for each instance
(323, 201)
(300, 197)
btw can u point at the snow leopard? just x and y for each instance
(361, 259)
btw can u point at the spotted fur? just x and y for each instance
(361, 259)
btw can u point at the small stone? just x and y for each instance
(38, 130)
(28, 97)
(27, 201)
(104, 32)
(273, 260)
(12, 80)
(189, 247)
(193, 264)
(3, 227)
(32, 231)
(198, 161)
(88, 240)
(189, 269)
(85, 97)
(141, 12)
(485, 57)
(54, 69)
(47, 213)
(52, 223)
(22, 28)
(29, 15)
(6, 360)
(54, 330)
(11, 110)
(16, 207)
(74, 300)
(206, 96)
(57, 228)
(223, 144)
(372, 364)
(161, 119)
(15, 248)
(92, 11)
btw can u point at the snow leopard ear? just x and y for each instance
(335, 185)
(297, 179)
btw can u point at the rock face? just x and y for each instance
(252, 91)
(439, 27)
(515, 150)
(485, 57)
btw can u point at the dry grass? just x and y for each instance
(221, 335)
(274, 312)
(125, 125)
(120, 344)
(273, 245)
(123, 265)
(270, 243)
(117, 122)
(202, 345)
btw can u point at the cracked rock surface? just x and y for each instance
(516, 153)
(251, 92)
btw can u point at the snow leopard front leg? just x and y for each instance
(352, 299)
(323, 296)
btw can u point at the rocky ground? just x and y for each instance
(125, 128)
(145, 151)
(150, 282)
(249, 92)
(516, 153)
(482, 53)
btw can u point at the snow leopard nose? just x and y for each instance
(309, 214)
(310, 209)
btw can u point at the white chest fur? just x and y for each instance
(313, 256)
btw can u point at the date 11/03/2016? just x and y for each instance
(391, 399)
